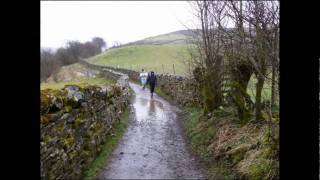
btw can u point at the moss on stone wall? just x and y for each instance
(74, 123)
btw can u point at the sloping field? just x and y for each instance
(174, 38)
(75, 74)
(159, 58)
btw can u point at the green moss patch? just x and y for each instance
(263, 169)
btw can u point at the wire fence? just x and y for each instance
(162, 69)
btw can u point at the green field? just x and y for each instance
(159, 58)
(178, 37)
(266, 91)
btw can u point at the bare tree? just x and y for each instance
(99, 43)
(210, 62)
(260, 40)
(51, 62)
(48, 64)
(249, 47)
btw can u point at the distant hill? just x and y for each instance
(158, 53)
(177, 37)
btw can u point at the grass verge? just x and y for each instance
(111, 141)
(230, 150)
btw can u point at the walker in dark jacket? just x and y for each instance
(152, 81)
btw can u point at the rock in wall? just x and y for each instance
(75, 122)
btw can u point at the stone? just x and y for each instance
(65, 116)
(71, 120)
(74, 93)
(84, 104)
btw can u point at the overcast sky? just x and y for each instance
(123, 21)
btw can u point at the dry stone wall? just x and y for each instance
(112, 72)
(181, 89)
(75, 122)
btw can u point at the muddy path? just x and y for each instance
(153, 146)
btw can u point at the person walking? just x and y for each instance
(143, 78)
(152, 81)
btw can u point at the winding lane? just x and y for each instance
(153, 146)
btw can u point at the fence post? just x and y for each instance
(162, 69)
(174, 71)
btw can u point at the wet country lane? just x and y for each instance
(153, 146)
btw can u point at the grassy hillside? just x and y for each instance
(178, 37)
(75, 74)
(159, 58)
(157, 53)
